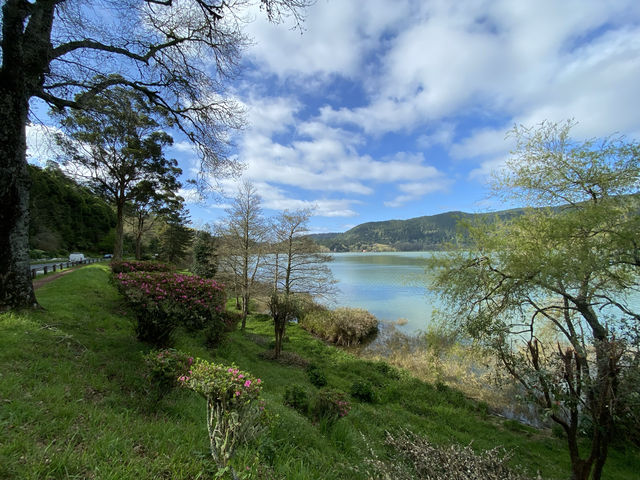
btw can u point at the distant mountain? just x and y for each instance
(415, 234)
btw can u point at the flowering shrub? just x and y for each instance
(342, 326)
(233, 409)
(165, 366)
(164, 300)
(330, 405)
(139, 266)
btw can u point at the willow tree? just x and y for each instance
(179, 54)
(567, 267)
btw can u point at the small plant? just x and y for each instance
(387, 370)
(363, 391)
(330, 405)
(316, 376)
(214, 333)
(296, 397)
(233, 407)
(165, 366)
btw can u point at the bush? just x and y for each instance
(163, 300)
(296, 397)
(330, 405)
(316, 376)
(387, 370)
(215, 333)
(139, 266)
(343, 326)
(363, 391)
(165, 366)
(426, 461)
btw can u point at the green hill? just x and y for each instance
(415, 234)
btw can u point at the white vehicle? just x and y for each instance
(76, 257)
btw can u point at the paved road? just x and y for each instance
(40, 266)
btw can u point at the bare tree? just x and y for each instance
(298, 267)
(242, 237)
(178, 54)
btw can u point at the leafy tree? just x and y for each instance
(178, 54)
(205, 257)
(299, 269)
(175, 237)
(548, 291)
(116, 147)
(243, 235)
(151, 200)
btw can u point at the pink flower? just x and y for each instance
(237, 393)
(247, 383)
(240, 376)
(258, 381)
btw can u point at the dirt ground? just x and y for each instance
(49, 277)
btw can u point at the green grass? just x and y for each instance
(74, 404)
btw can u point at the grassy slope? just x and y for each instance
(73, 404)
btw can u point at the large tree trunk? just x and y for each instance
(117, 247)
(16, 287)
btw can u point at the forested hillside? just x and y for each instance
(415, 234)
(66, 216)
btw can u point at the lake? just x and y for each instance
(392, 286)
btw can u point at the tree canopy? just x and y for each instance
(116, 147)
(570, 268)
(179, 54)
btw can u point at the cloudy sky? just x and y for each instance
(391, 110)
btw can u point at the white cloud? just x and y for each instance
(413, 191)
(337, 38)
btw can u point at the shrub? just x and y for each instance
(233, 409)
(330, 405)
(363, 391)
(426, 461)
(165, 366)
(163, 300)
(387, 370)
(139, 266)
(343, 326)
(296, 397)
(316, 376)
(215, 332)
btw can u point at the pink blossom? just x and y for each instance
(247, 383)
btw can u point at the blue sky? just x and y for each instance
(391, 110)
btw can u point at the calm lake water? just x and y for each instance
(392, 286)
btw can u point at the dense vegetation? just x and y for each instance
(76, 403)
(415, 234)
(66, 216)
